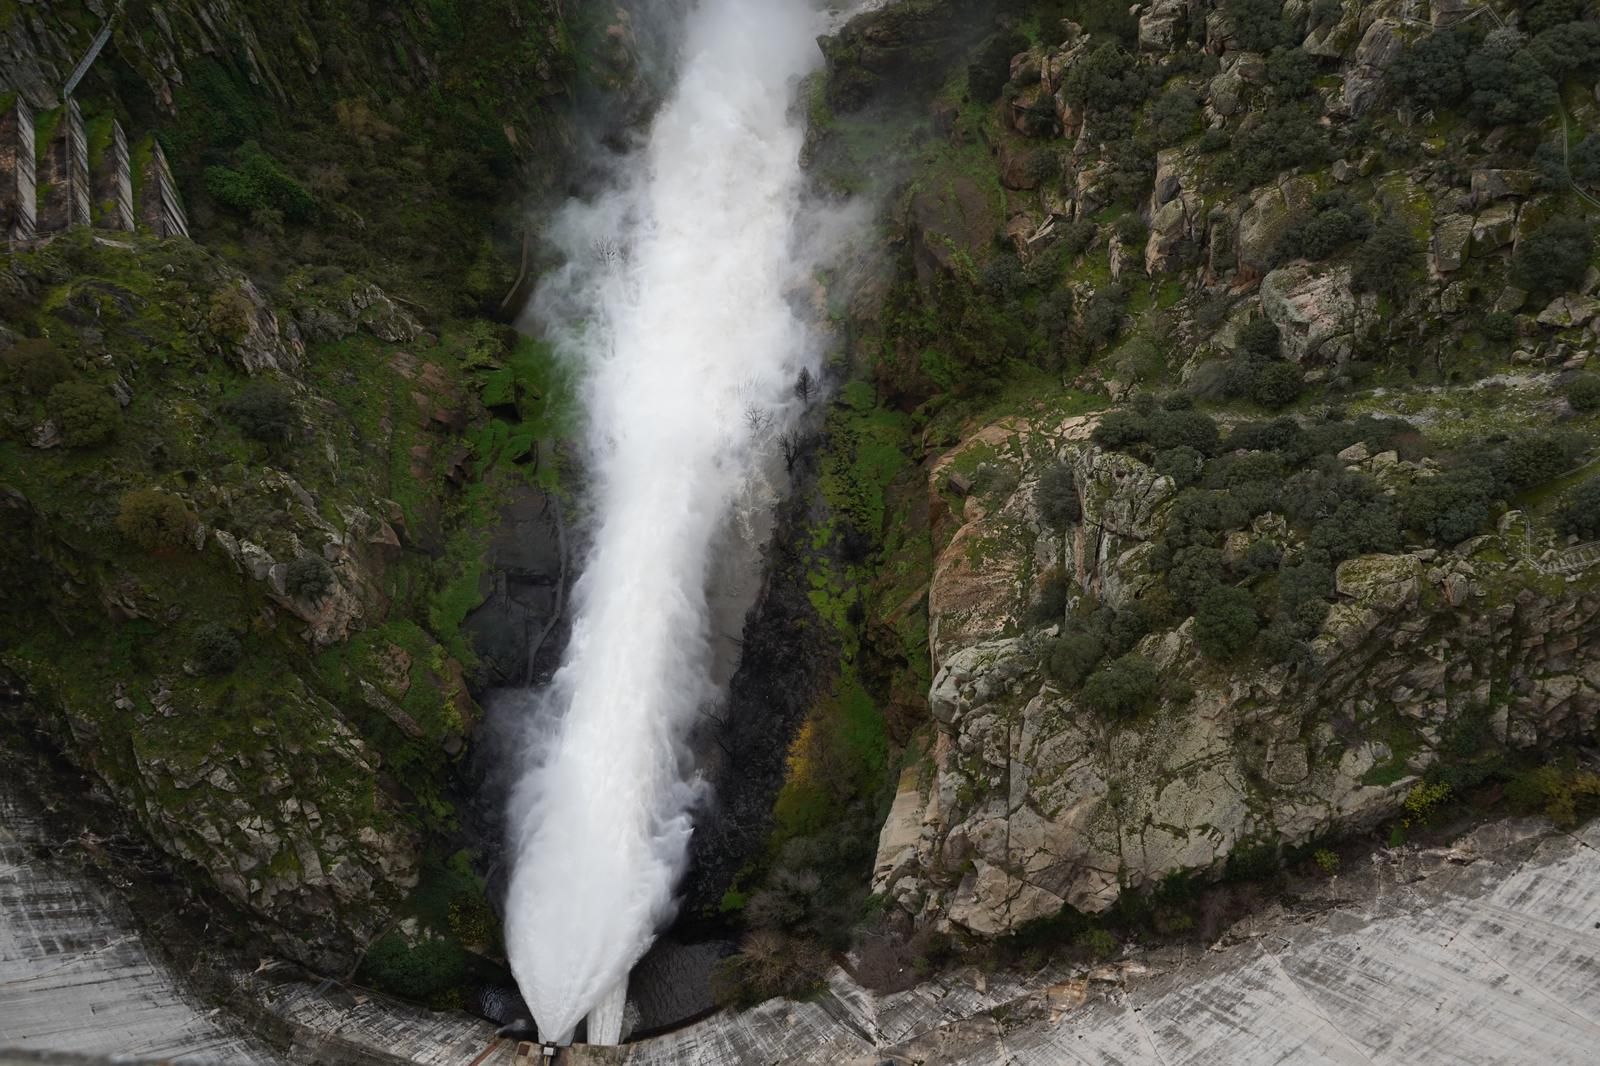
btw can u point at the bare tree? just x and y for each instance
(757, 420)
(790, 443)
(805, 385)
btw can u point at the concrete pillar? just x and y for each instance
(159, 207)
(18, 212)
(64, 175)
(113, 184)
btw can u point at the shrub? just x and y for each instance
(1533, 458)
(1334, 219)
(1226, 622)
(1291, 73)
(1507, 84)
(216, 649)
(1119, 430)
(1107, 79)
(259, 182)
(1357, 527)
(154, 520)
(1277, 385)
(1561, 795)
(1128, 627)
(1259, 339)
(309, 577)
(1174, 115)
(36, 365)
(1123, 687)
(1102, 316)
(1555, 257)
(1580, 512)
(1584, 393)
(1191, 429)
(1499, 326)
(1568, 51)
(1286, 136)
(86, 414)
(231, 314)
(1387, 259)
(769, 964)
(423, 971)
(991, 68)
(263, 411)
(1132, 231)
(1432, 72)
(1327, 861)
(1074, 656)
(1182, 464)
(1258, 25)
(1058, 497)
(1450, 507)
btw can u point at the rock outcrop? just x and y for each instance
(1030, 802)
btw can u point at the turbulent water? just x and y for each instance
(675, 305)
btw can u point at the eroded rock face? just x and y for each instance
(1316, 311)
(1030, 801)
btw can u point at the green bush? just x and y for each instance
(1175, 115)
(1260, 339)
(1226, 622)
(1058, 497)
(1555, 257)
(1333, 219)
(1186, 429)
(1122, 688)
(1451, 507)
(1568, 51)
(1277, 385)
(86, 414)
(1584, 393)
(1508, 86)
(1499, 326)
(1387, 260)
(1119, 430)
(258, 183)
(1292, 73)
(1258, 25)
(1182, 464)
(216, 649)
(1533, 458)
(154, 520)
(424, 971)
(1432, 71)
(1073, 656)
(264, 411)
(309, 577)
(36, 365)
(1103, 314)
(1285, 137)
(1580, 512)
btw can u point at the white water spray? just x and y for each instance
(673, 304)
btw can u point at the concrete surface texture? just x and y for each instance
(1484, 952)
(75, 976)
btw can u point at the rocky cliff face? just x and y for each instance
(1030, 801)
(1247, 210)
(249, 482)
